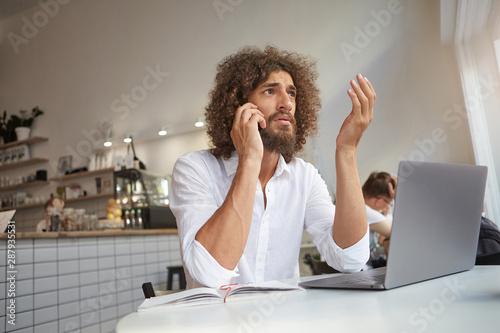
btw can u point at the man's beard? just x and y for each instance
(280, 139)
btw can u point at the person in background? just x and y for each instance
(242, 206)
(54, 202)
(379, 191)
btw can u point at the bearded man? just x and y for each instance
(241, 207)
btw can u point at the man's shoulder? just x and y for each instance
(199, 155)
(195, 159)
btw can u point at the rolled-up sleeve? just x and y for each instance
(193, 201)
(320, 214)
(206, 270)
(348, 260)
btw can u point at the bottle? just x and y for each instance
(126, 216)
(140, 224)
(132, 219)
(54, 220)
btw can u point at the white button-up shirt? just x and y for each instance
(297, 199)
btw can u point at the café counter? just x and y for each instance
(81, 280)
(98, 233)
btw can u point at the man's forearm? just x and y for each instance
(225, 234)
(350, 222)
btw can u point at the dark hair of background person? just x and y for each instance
(377, 184)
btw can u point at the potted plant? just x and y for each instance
(3, 126)
(18, 127)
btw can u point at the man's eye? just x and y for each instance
(268, 91)
(292, 93)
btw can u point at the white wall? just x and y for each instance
(90, 53)
(418, 91)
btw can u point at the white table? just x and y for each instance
(464, 302)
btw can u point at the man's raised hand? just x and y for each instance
(363, 100)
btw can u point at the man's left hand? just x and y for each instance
(363, 100)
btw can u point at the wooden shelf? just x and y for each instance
(81, 174)
(23, 206)
(90, 197)
(20, 164)
(28, 141)
(23, 185)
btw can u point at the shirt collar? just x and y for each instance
(231, 164)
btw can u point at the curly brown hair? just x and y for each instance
(240, 73)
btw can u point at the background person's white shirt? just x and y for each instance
(297, 199)
(373, 216)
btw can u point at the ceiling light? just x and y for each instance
(109, 125)
(128, 139)
(162, 131)
(199, 122)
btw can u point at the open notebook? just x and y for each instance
(435, 230)
(202, 296)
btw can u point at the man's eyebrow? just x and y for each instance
(275, 84)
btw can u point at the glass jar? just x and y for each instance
(79, 219)
(68, 222)
(93, 221)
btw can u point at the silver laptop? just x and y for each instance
(435, 228)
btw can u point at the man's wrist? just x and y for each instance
(345, 155)
(249, 165)
(345, 150)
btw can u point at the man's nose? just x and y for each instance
(284, 103)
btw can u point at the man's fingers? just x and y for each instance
(242, 113)
(248, 115)
(251, 115)
(371, 88)
(356, 105)
(358, 99)
(365, 95)
(258, 118)
(368, 90)
(362, 90)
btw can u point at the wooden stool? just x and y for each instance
(179, 270)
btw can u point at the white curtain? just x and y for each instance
(471, 19)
